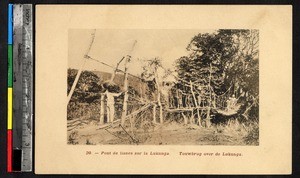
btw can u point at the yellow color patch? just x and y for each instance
(9, 108)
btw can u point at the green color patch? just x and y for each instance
(10, 66)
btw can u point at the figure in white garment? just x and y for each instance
(231, 102)
(110, 98)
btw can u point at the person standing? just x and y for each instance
(110, 104)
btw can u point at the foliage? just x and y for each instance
(247, 132)
(252, 138)
(85, 101)
(88, 84)
(243, 69)
(226, 59)
(150, 69)
(111, 86)
(77, 109)
(73, 137)
(149, 75)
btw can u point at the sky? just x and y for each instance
(110, 45)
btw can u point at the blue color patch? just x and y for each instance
(10, 24)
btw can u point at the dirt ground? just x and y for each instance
(171, 133)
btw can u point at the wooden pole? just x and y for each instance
(141, 90)
(177, 96)
(134, 113)
(115, 71)
(185, 119)
(208, 123)
(161, 119)
(102, 107)
(154, 113)
(196, 103)
(76, 80)
(124, 109)
(214, 101)
(81, 68)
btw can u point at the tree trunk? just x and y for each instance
(192, 120)
(177, 100)
(214, 101)
(161, 119)
(196, 103)
(207, 120)
(208, 123)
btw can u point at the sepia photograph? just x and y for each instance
(163, 87)
(139, 84)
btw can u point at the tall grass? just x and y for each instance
(247, 131)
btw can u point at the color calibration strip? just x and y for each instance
(10, 89)
(20, 88)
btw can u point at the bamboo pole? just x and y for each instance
(76, 80)
(81, 68)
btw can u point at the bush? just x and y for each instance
(252, 138)
(73, 137)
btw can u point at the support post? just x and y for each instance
(124, 109)
(111, 105)
(161, 119)
(185, 119)
(81, 68)
(154, 113)
(102, 107)
(76, 80)
(208, 123)
(196, 103)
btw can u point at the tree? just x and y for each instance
(150, 73)
(243, 69)
(220, 60)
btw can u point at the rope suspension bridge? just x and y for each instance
(198, 100)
